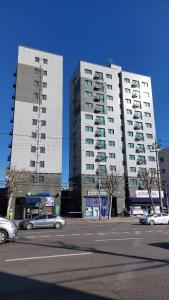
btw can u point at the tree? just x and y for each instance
(14, 180)
(148, 180)
(111, 186)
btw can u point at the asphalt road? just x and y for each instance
(87, 261)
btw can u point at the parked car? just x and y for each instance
(8, 230)
(42, 221)
(152, 219)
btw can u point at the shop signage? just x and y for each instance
(144, 194)
(39, 194)
(96, 193)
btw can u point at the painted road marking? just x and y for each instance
(125, 239)
(48, 256)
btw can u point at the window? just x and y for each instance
(33, 149)
(127, 80)
(101, 144)
(37, 71)
(112, 168)
(44, 110)
(109, 108)
(88, 128)
(133, 181)
(35, 108)
(41, 179)
(151, 158)
(112, 155)
(129, 111)
(89, 141)
(109, 97)
(149, 136)
(147, 104)
(99, 108)
(100, 96)
(88, 82)
(42, 149)
(146, 94)
(35, 96)
(132, 169)
(101, 156)
(130, 145)
(34, 135)
(42, 164)
(45, 61)
(89, 153)
(88, 117)
(147, 114)
(44, 72)
(127, 91)
(130, 133)
(32, 163)
(112, 143)
(90, 179)
(88, 105)
(131, 157)
(128, 101)
(145, 84)
(43, 123)
(88, 94)
(148, 125)
(98, 75)
(44, 97)
(36, 83)
(102, 168)
(43, 136)
(33, 178)
(111, 120)
(87, 71)
(109, 86)
(34, 122)
(37, 59)
(161, 159)
(109, 76)
(44, 84)
(137, 115)
(129, 122)
(150, 147)
(111, 131)
(89, 167)
(135, 83)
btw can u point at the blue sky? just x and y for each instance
(134, 34)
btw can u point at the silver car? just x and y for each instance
(43, 221)
(152, 219)
(8, 230)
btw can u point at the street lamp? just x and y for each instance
(100, 204)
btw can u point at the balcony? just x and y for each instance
(98, 88)
(98, 77)
(100, 134)
(138, 127)
(12, 108)
(135, 105)
(96, 98)
(100, 159)
(14, 85)
(136, 116)
(10, 133)
(140, 150)
(99, 110)
(99, 146)
(101, 171)
(14, 74)
(134, 96)
(139, 138)
(9, 158)
(133, 85)
(141, 161)
(10, 145)
(99, 122)
(11, 121)
(13, 97)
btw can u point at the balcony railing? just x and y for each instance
(136, 116)
(134, 96)
(96, 98)
(99, 111)
(139, 138)
(98, 133)
(141, 161)
(99, 122)
(140, 150)
(99, 146)
(98, 77)
(138, 127)
(135, 105)
(9, 158)
(100, 159)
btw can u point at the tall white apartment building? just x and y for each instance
(36, 146)
(111, 129)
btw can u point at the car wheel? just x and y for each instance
(3, 236)
(29, 226)
(152, 222)
(58, 225)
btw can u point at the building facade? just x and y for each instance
(164, 172)
(112, 129)
(36, 146)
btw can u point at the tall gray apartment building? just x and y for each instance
(36, 147)
(111, 129)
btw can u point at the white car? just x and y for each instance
(8, 230)
(157, 218)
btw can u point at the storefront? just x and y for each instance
(93, 203)
(140, 202)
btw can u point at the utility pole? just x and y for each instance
(156, 146)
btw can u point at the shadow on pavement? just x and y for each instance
(13, 287)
